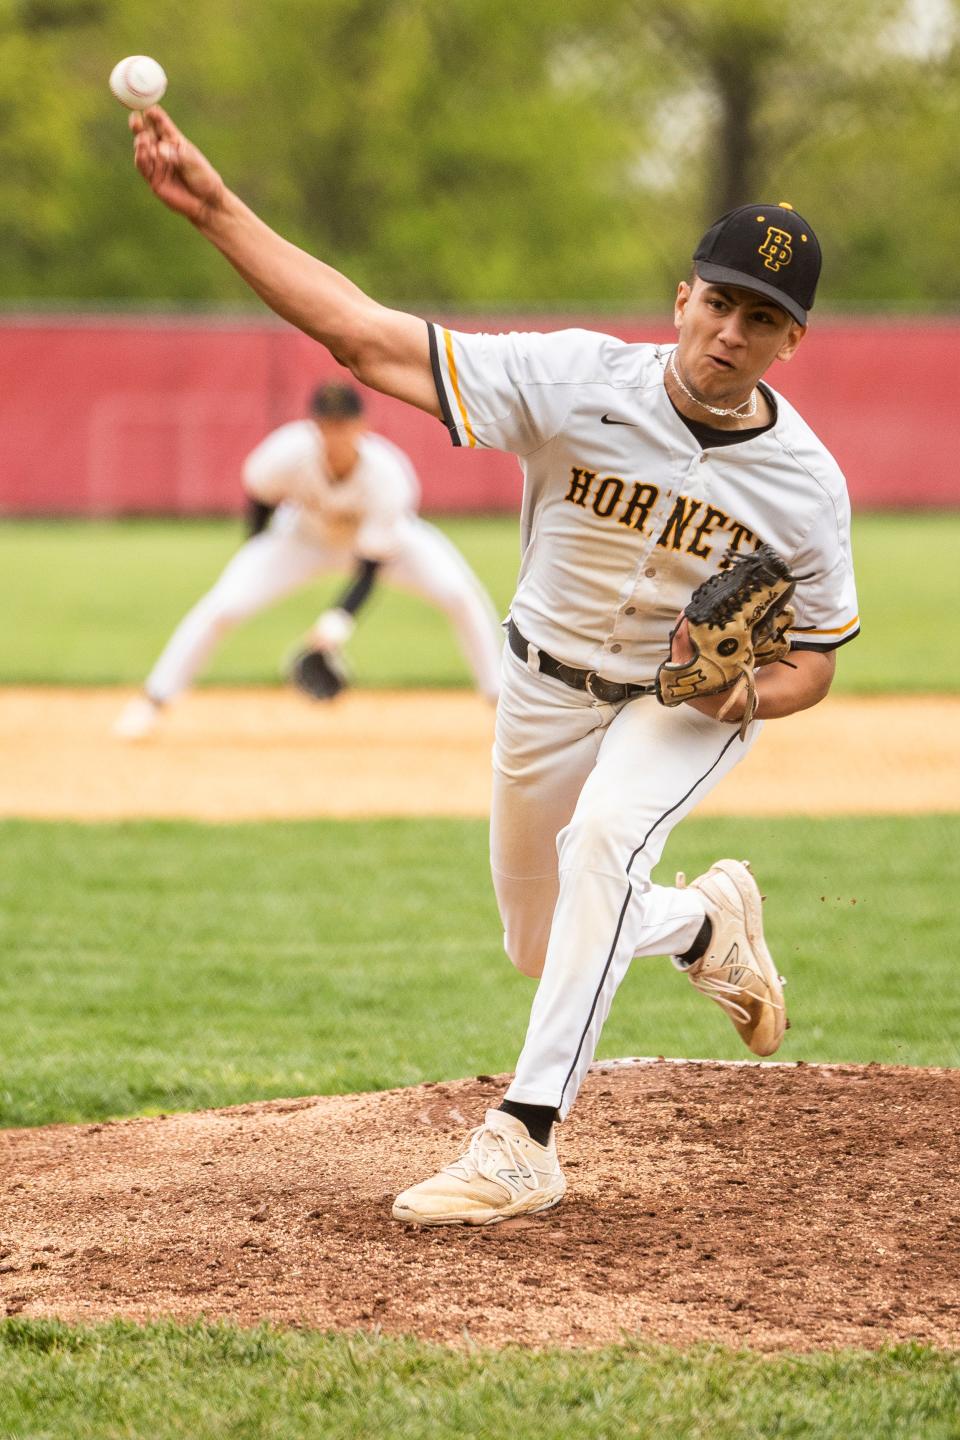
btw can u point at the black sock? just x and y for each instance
(698, 948)
(537, 1118)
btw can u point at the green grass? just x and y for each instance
(93, 602)
(211, 1382)
(159, 966)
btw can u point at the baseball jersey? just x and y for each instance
(367, 512)
(623, 512)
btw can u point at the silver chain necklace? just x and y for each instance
(740, 411)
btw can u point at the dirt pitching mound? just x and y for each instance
(754, 1205)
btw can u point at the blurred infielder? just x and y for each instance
(648, 470)
(326, 495)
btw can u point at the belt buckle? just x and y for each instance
(588, 684)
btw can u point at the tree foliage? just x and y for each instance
(488, 153)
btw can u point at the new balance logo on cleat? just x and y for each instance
(736, 970)
(736, 973)
(515, 1177)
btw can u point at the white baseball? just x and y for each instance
(138, 82)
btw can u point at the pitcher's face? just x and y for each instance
(728, 339)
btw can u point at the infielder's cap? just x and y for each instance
(769, 249)
(336, 402)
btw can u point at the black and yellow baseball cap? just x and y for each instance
(769, 249)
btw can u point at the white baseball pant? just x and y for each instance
(283, 558)
(585, 796)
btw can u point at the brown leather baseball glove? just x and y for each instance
(737, 621)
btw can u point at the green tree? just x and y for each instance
(488, 153)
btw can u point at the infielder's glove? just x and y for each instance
(318, 669)
(737, 621)
(321, 674)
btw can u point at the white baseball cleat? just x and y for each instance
(503, 1173)
(737, 970)
(137, 720)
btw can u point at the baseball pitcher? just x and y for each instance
(686, 577)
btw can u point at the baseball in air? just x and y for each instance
(138, 82)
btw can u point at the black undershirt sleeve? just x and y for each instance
(258, 516)
(358, 591)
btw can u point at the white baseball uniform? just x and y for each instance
(323, 525)
(624, 514)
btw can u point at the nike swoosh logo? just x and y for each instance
(609, 420)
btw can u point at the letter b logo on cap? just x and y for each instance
(776, 249)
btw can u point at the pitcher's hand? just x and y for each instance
(177, 172)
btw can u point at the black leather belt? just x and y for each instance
(609, 692)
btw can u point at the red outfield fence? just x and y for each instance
(130, 414)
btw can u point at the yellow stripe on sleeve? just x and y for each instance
(840, 630)
(452, 367)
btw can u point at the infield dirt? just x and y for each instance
(268, 754)
(768, 1206)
